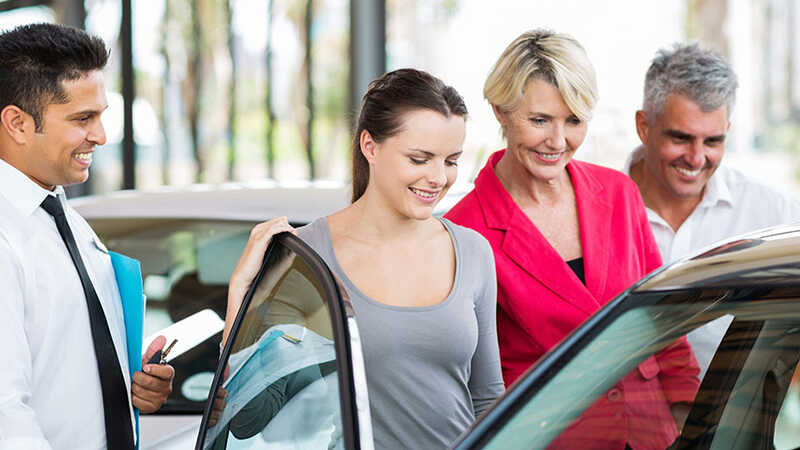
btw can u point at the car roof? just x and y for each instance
(300, 201)
(764, 257)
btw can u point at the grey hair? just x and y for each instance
(697, 73)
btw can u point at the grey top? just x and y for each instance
(430, 370)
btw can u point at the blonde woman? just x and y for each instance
(567, 236)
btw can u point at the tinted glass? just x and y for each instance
(737, 406)
(280, 372)
(186, 265)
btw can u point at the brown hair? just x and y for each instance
(382, 108)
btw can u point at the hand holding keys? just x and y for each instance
(160, 357)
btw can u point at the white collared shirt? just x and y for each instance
(732, 204)
(50, 394)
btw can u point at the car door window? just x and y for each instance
(287, 370)
(739, 400)
(787, 425)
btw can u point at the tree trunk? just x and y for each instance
(270, 126)
(231, 129)
(706, 23)
(194, 81)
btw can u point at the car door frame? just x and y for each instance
(356, 427)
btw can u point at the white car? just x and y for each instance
(188, 240)
(294, 373)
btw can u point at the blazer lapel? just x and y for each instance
(594, 219)
(525, 245)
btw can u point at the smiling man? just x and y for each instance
(692, 200)
(65, 380)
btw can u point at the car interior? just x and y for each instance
(186, 266)
(280, 370)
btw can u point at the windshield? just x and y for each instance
(739, 400)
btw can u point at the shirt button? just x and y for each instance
(614, 395)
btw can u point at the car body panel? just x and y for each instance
(764, 256)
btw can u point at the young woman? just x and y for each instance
(423, 288)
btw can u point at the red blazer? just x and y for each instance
(540, 300)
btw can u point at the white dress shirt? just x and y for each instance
(732, 204)
(50, 394)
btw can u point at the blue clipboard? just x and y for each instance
(128, 273)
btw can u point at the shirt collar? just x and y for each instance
(716, 192)
(22, 192)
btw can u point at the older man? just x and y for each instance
(65, 381)
(692, 200)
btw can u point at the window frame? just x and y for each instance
(342, 339)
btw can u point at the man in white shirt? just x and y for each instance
(60, 309)
(692, 201)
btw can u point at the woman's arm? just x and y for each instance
(486, 381)
(248, 266)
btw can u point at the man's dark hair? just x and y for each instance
(35, 59)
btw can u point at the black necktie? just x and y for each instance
(119, 433)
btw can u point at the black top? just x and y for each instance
(577, 266)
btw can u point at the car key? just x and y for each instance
(160, 357)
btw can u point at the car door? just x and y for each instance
(291, 374)
(748, 399)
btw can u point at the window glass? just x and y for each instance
(787, 425)
(739, 399)
(186, 266)
(281, 376)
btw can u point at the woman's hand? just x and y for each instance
(249, 264)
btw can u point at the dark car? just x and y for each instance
(282, 394)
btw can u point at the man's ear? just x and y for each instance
(13, 120)
(642, 126)
(368, 146)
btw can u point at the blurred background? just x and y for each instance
(213, 91)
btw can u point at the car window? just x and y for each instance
(185, 267)
(286, 374)
(737, 406)
(787, 425)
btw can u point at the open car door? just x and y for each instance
(746, 292)
(291, 375)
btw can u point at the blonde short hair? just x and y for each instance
(549, 56)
